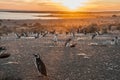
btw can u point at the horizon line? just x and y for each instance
(54, 11)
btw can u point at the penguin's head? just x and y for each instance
(36, 55)
(69, 39)
(116, 37)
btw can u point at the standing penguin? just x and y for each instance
(115, 41)
(40, 65)
(67, 43)
(55, 39)
(94, 35)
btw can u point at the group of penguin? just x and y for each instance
(38, 62)
(41, 66)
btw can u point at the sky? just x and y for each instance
(61, 5)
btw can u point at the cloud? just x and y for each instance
(102, 5)
(91, 5)
(26, 1)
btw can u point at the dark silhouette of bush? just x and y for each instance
(91, 28)
(114, 15)
(104, 30)
(5, 30)
(118, 26)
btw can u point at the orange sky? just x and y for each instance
(56, 5)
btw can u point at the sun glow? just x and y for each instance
(72, 5)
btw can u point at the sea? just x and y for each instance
(17, 15)
(52, 15)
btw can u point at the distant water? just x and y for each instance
(13, 15)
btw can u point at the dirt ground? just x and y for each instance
(83, 62)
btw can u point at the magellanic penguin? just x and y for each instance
(40, 65)
(4, 55)
(94, 35)
(67, 43)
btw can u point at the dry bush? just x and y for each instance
(118, 26)
(90, 28)
(24, 24)
(5, 30)
(114, 15)
(104, 30)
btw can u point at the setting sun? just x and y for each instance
(72, 5)
(61, 5)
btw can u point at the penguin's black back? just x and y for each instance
(4, 55)
(2, 48)
(67, 41)
(41, 66)
(93, 36)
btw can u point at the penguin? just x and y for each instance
(18, 35)
(44, 34)
(67, 43)
(40, 65)
(55, 39)
(94, 35)
(115, 41)
(73, 45)
(4, 55)
(37, 35)
(2, 49)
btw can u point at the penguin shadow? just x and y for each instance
(43, 77)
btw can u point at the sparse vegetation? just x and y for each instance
(114, 15)
(84, 62)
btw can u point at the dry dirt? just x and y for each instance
(62, 63)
